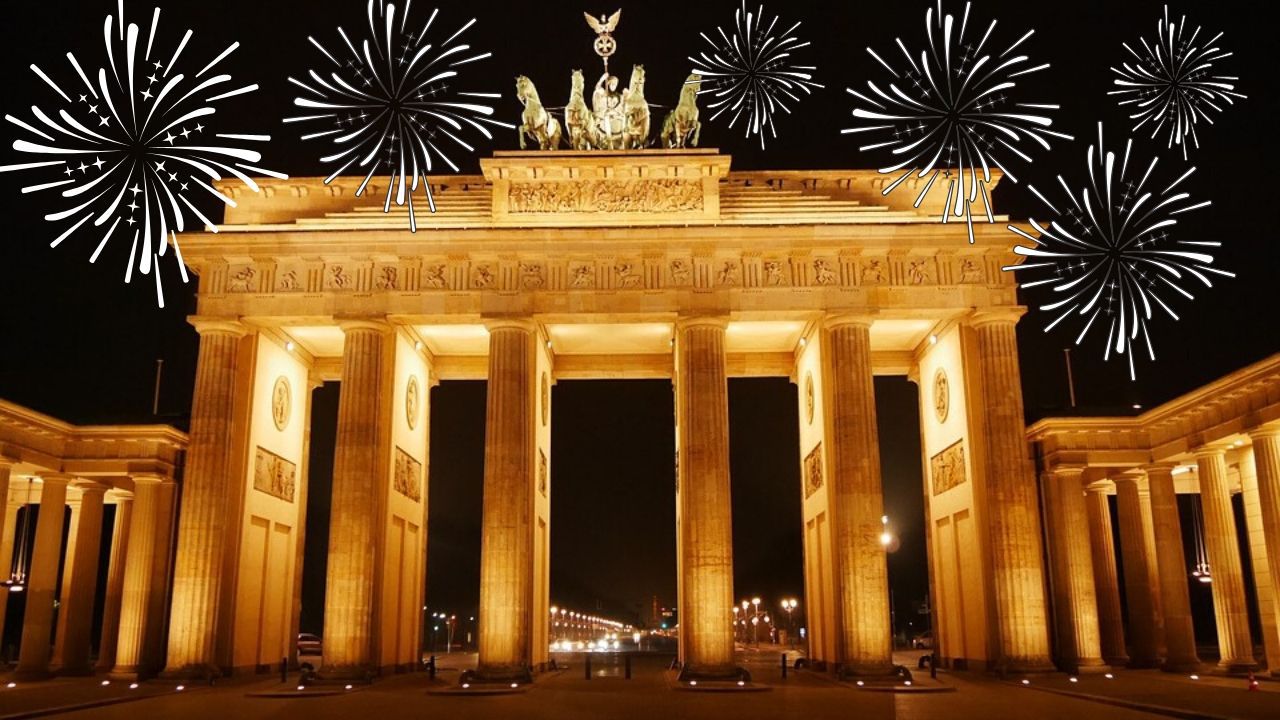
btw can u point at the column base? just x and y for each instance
(713, 673)
(83, 671)
(497, 675)
(1026, 665)
(1089, 666)
(1181, 666)
(29, 674)
(203, 673)
(1117, 661)
(865, 669)
(329, 674)
(1237, 667)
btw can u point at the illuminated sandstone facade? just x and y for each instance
(47, 463)
(546, 268)
(1216, 442)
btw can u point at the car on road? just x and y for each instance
(923, 641)
(309, 644)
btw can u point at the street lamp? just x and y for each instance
(789, 605)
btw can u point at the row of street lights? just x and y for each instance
(569, 625)
(749, 615)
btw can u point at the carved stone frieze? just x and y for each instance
(813, 470)
(274, 475)
(606, 196)
(947, 468)
(242, 280)
(408, 477)
(435, 277)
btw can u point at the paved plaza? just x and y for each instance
(567, 695)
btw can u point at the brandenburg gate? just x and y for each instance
(579, 265)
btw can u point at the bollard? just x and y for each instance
(627, 667)
(933, 665)
(784, 666)
(284, 670)
(587, 664)
(431, 671)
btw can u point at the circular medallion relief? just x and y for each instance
(808, 396)
(411, 402)
(546, 399)
(281, 402)
(941, 395)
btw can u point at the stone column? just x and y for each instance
(206, 504)
(1012, 504)
(1082, 637)
(702, 405)
(1175, 603)
(1264, 592)
(1137, 575)
(358, 476)
(1106, 579)
(856, 500)
(72, 524)
(82, 584)
(42, 582)
(1235, 645)
(154, 643)
(139, 575)
(506, 554)
(115, 582)
(1153, 572)
(8, 529)
(1266, 461)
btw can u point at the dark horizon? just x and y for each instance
(82, 346)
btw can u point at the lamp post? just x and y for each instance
(789, 605)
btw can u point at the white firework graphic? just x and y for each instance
(953, 111)
(390, 106)
(128, 146)
(1108, 256)
(751, 72)
(1173, 82)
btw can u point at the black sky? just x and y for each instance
(76, 343)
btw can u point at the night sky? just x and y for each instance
(77, 343)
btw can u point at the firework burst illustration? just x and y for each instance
(1108, 256)
(128, 147)
(1172, 82)
(953, 112)
(390, 106)
(751, 72)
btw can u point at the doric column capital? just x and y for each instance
(686, 322)
(843, 319)
(1263, 431)
(374, 323)
(1209, 451)
(1134, 476)
(218, 325)
(1099, 487)
(120, 495)
(990, 316)
(90, 486)
(514, 322)
(148, 479)
(56, 477)
(1067, 471)
(1159, 469)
